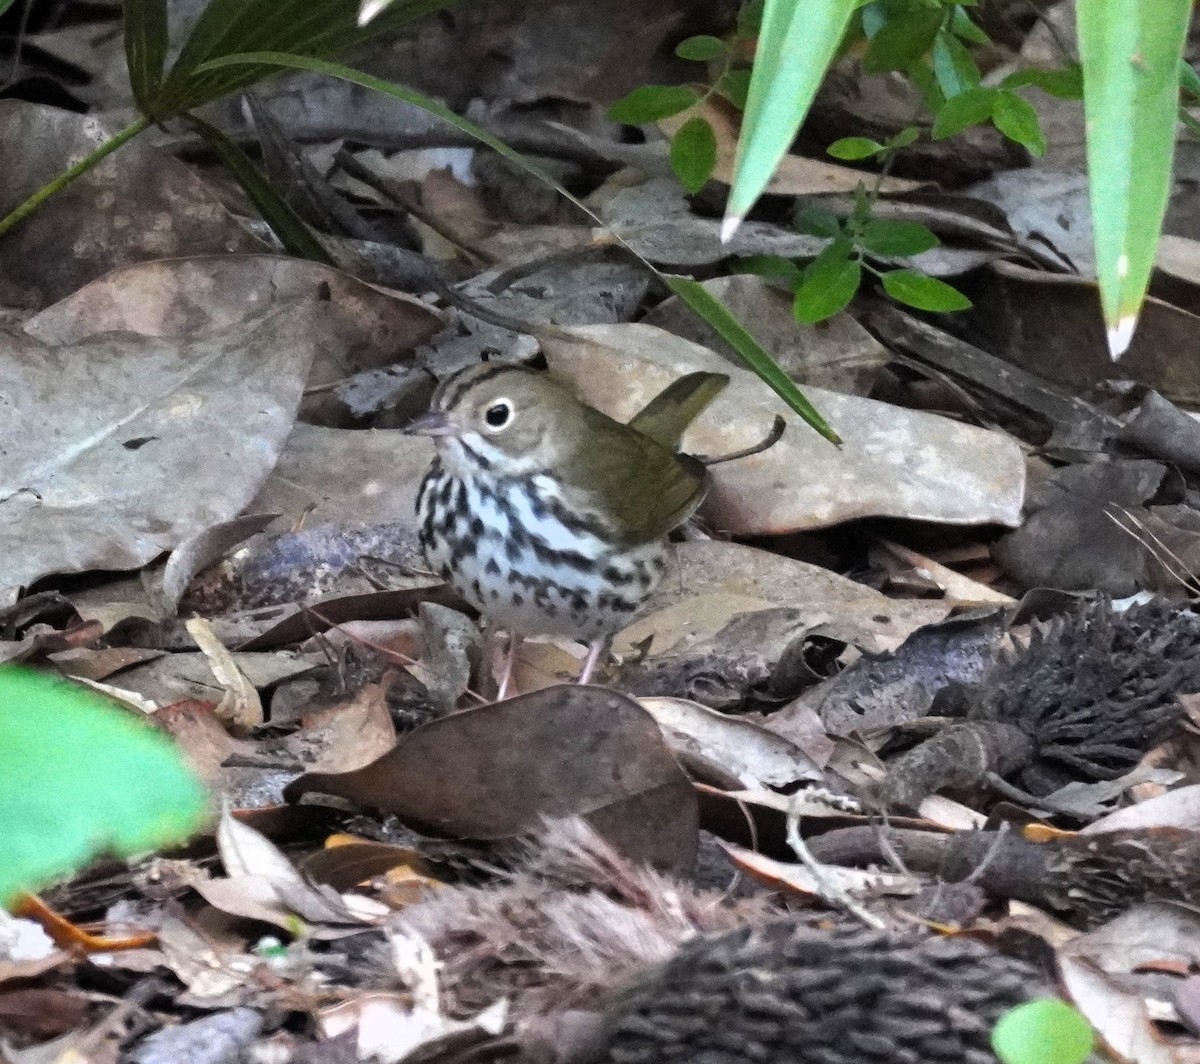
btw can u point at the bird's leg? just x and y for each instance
(510, 661)
(596, 648)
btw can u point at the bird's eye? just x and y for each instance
(498, 414)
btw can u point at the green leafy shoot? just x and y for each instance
(1048, 1031)
(80, 777)
(1018, 121)
(829, 283)
(893, 239)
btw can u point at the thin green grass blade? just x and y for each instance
(1130, 52)
(693, 295)
(798, 41)
(735, 333)
(285, 223)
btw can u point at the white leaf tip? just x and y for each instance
(730, 226)
(369, 9)
(1120, 336)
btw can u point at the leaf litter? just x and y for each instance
(849, 700)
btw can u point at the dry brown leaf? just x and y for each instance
(498, 770)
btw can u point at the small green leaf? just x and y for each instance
(700, 48)
(850, 148)
(734, 333)
(1018, 121)
(734, 85)
(79, 777)
(652, 102)
(769, 266)
(896, 238)
(903, 40)
(694, 153)
(1189, 80)
(964, 110)
(916, 289)
(817, 221)
(1043, 1032)
(908, 135)
(829, 284)
(1066, 84)
(953, 65)
(963, 26)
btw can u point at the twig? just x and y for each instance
(830, 890)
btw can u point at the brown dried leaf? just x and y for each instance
(497, 771)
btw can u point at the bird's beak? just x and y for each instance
(433, 423)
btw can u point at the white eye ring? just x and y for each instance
(498, 414)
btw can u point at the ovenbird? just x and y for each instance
(547, 516)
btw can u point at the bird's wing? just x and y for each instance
(635, 484)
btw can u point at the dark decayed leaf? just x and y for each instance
(497, 771)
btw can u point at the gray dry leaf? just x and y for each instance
(137, 204)
(895, 462)
(122, 447)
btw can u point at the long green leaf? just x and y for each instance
(798, 41)
(285, 223)
(692, 294)
(1130, 52)
(732, 331)
(145, 48)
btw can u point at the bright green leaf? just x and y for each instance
(1018, 121)
(734, 85)
(903, 40)
(701, 48)
(734, 333)
(953, 65)
(798, 41)
(966, 109)
(694, 153)
(829, 283)
(918, 290)
(1048, 1031)
(851, 148)
(79, 777)
(896, 238)
(1066, 84)
(908, 135)
(652, 102)
(1130, 52)
(963, 26)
